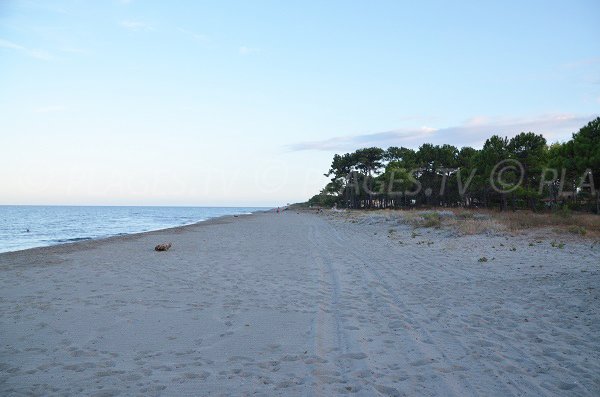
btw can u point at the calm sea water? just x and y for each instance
(24, 227)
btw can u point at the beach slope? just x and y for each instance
(301, 304)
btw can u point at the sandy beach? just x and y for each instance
(302, 304)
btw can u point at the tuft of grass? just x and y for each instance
(564, 212)
(474, 226)
(425, 219)
(575, 229)
(428, 242)
(432, 219)
(465, 214)
(557, 245)
(482, 259)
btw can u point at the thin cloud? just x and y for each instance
(73, 50)
(594, 81)
(135, 25)
(248, 50)
(582, 63)
(30, 52)
(473, 132)
(198, 37)
(50, 109)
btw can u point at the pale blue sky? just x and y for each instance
(244, 103)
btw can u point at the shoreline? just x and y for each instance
(85, 240)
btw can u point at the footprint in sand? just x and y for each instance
(268, 364)
(387, 390)
(315, 360)
(422, 362)
(289, 383)
(197, 375)
(353, 356)
(240, 358)
(349, 389)
(289, 357)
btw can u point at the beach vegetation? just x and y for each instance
(431, 219)
(576, 229)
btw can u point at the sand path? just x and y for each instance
(301, 304)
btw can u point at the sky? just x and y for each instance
(244, 103)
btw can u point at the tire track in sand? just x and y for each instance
(398, 305)
(329, 334)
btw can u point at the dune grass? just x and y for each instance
(470, 222)
(571, 223)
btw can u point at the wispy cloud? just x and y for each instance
(473, 132)
(594, 80)
(248, 50)
(135, 25)
(198, 37)
(582, 63)
(50, 109)
(31, 52)
(73, 50)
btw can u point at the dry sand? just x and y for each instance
(302, 304)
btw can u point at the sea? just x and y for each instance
(23, 227)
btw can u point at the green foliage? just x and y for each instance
(586, 149)
(443, 175)
(403, 157)
(431, 219)
(564, 212)
(580, 230)
(322, 200)
(369, 160)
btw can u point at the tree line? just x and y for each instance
(517, 173)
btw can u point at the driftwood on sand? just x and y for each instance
(162, 247)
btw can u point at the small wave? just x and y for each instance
(72, 240)
(54, 224)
